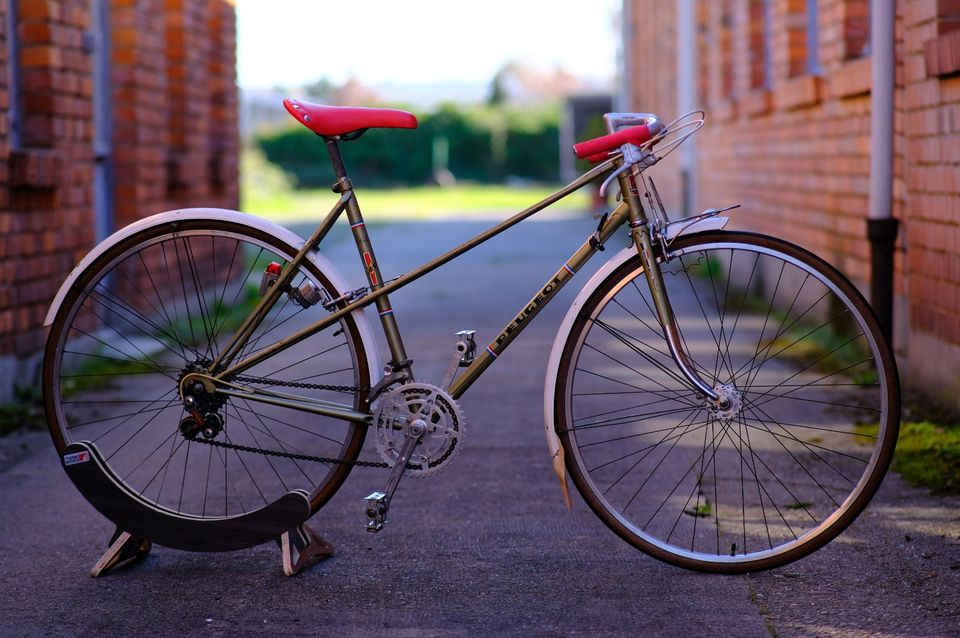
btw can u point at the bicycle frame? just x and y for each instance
(628, 211)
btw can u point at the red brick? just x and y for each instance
(40, 56)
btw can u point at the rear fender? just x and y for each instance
(315, 257)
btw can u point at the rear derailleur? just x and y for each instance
(202, 406)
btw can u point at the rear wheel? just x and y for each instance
(162, 304)
(787, 464)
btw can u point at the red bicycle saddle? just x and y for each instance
(339, 120)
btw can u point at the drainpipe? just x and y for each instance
(687, 96)
(623, 100)
(881, 225)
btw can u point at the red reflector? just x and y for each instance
(273, 268)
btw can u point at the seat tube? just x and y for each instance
(369, 261)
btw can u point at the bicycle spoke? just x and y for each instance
(118, 306)
(223, 293)
(629, 407)
(630, 418)
(197, 286)
(156, 411)
(162, 307)
(256, 442)
(284, 446)
(644, 355)
(703, 311)
(631, 369)
(313, 433)
(273, 373)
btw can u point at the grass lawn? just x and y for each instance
(268, 192)
(928, 455)
(422, 202)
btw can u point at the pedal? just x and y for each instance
(466, 352)
(377, 505)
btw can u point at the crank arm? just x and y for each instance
(378, 503)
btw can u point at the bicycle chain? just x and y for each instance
(303, 386)
(293, 455)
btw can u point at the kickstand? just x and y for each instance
(124, 548)
(308, 546)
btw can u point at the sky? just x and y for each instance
(294, 42)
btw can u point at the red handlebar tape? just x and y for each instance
(635, 135)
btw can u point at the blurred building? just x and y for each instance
(523, 84)
(582, 119)
(786, 86)
(262, 109)
(110, 110)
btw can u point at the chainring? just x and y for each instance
(400, 407)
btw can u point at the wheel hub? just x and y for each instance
(729, 403)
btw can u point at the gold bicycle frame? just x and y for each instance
(629, 211)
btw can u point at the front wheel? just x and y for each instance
(799, 451)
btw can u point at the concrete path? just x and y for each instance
(483, 548)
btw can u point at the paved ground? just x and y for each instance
(484, 548)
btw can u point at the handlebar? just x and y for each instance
(635, 135)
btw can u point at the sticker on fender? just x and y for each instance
(76, 457)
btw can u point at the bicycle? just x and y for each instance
(744, 441)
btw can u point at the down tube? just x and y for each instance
(530, 310)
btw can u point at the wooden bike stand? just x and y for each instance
(124, 549)
(308, 546)
(140, 524)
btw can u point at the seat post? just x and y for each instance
(369, 260)
(333, 149)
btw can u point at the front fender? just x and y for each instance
(553, 365)
(219, 214)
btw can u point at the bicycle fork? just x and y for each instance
(640, 231)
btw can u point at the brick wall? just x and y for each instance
(930, 114)
(793, 144)
(655, 82)
(44, 221)
(172, 91)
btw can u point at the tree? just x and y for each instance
(321, 90)
(498, 92)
